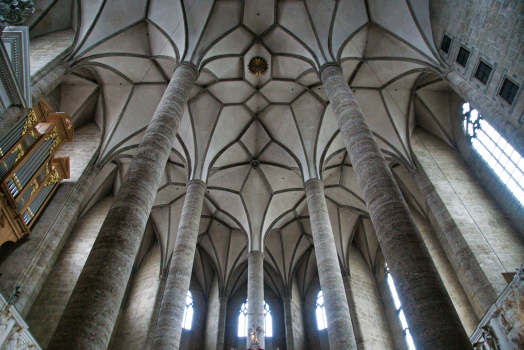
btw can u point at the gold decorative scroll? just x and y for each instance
(53, 178)
(21, 152)
(56, 136)
(32, 119)
(35, 187)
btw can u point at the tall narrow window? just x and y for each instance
(463, 56)
(483, 72)
(321, 312)
(400, 312)
(188, 314)
(446, 43)
(509, 91)
(243, 325)
(505, 161)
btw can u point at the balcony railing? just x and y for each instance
(502, 327)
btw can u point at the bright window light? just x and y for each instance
(400, 312)
(188, 314)
(321, 312)
(243, 325)
(505, 161)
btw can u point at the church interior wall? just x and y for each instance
(511, 208)
(312, 338)
(495, 244)
(233, 307)
(459, 298)
(367, 302)
(198, 328)
(212, 316)
(297, 317)
(50, 232)
(395, 329)
(45, 48)
(134, 329)
(476, 24)
(279, 325)
(52, 299)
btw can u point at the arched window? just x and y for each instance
(188, 314)
(400, 312)
(243, 325)
(321, 312)
(500, 156)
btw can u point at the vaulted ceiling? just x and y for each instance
(253, 139)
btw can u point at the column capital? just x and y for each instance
(313, 181)
(189, 64)
(196, 181)
(255, 252)
(327, 65)
(223, 299)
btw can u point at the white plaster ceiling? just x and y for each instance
(125, 52)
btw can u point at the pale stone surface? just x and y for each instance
(52, 299)
(297, 317)
(367, 305)
(31, 261)
(340, 330)
(288, 317)
(479, 241)
(464, 309)
(136, 325)
(45, 48)
(213, 316)
(91, 312)
(255, 292)
(355, 321)
(420, 288)
(169, 326)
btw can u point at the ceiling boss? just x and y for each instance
(258, 66)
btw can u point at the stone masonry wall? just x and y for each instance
(492, 30)
(212, 317)
(52, 299)
(17, 259)
(460, 300)
(297, 316)
(312, 338)
(367, 302)
(491, 237)
(134, 330)
(44, 49)
(388, 305)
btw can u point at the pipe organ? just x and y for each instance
(29, 172)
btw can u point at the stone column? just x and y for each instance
(359, 339)
(222, 323)
(432, 318)
(288, 316)
(483, 104)
(38, 91)
(340, 329)
(465, 264)
(255, 293)
(169, 324)
(90, 315)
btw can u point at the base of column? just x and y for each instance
(255, 347)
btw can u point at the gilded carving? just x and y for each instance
(35, 187)
(258, 66)
(32, 119)
(21, 152)
(56, 142)
(53, 178)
